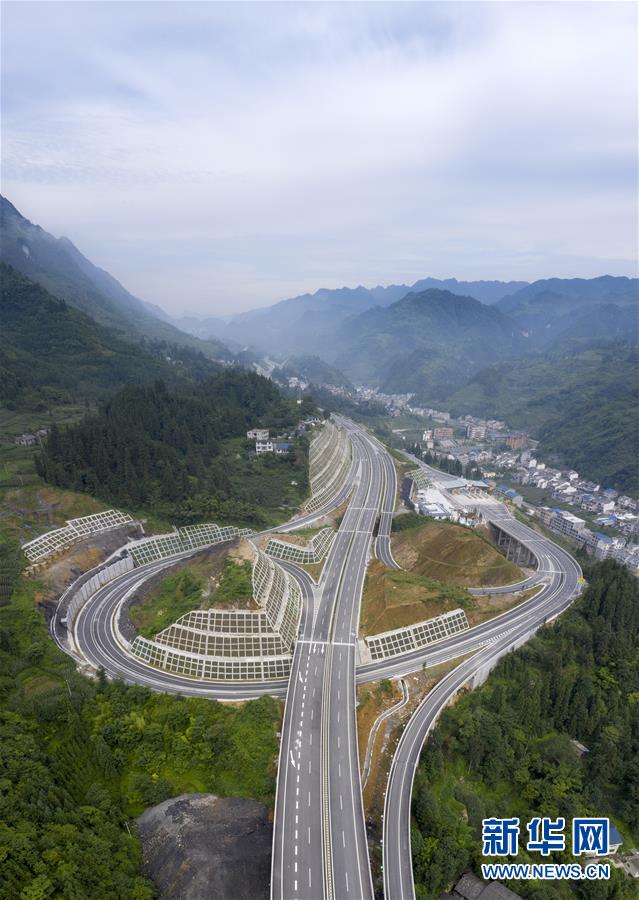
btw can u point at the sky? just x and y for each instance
(216, 157)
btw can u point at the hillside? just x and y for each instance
(434, 338)
(583, 406)
(312, 369)
(575, 308)
(51, 353)
(58, 265)
(510, 748)
(302, 324)
(449, 552)
(439, 561)
(182, 452)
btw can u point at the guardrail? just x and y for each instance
(223, 645)
(52, 542)
(314, 551)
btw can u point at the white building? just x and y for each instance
(258, 434)
(264, 446)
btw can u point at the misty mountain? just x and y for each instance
(433, 338)
(58, 265)
(560, 308)
(313, 370)
(305, 323)
(582, 405)
(53, 354)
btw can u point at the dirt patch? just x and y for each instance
(78, 559)
(453, 554)
(199, 845)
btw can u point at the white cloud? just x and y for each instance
(218, 155)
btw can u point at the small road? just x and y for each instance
(376, 726)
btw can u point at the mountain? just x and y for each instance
(486, 291)
(52, 353)
(583, 406)
(425, 342)
(312, 369)
(556, 308)
(182, 451)
(58, 265)
(302, 324)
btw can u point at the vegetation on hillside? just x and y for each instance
(52, 354)
(58, 266)
(452, 553)
(81, 757)
(393, 598)
(583, 407)
(433, 338)
(183, 452)
(507, 749)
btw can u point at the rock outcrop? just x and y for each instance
(203, 847)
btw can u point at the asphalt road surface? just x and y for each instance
(320, 848)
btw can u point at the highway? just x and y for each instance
(320, 847)
(319, 843)
(562, 575)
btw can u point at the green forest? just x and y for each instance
(582, 406)
(81, 757)
(52, 354)
(182, 453)
(507, 749)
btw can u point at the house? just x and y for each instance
(283, 447)
(258, 434)
(26, 440)
(264, 447)
(614, 842)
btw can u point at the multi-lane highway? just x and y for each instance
(562, 576)
(320, 847)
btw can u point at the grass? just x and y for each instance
(177, 595)
(236, 584)
(452, 553)
(393, 599)
(439, 561)
(212, 578)
(16, 463)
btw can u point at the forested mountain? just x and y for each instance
(58, 265)
(558, 308)
(433, 337)
(582, 405)
(306, 323)
(172, 451)
(313, 370)
(508, 748)
(51, 353)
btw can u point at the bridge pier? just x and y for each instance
(512, 549)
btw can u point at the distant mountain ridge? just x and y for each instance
(300, 324)
(430, 335)
(556, 307)
(58, 265)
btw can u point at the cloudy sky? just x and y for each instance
(216, 157)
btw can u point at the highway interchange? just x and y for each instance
(320, 848)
